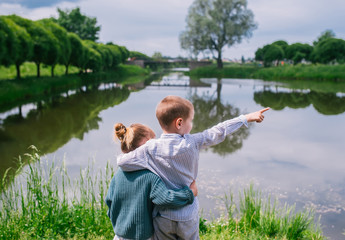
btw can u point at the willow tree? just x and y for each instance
(214, 24)
(44, 42)
(63, 43)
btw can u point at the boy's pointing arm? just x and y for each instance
(134, 160)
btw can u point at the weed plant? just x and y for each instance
(42, 202)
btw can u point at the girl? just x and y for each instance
(131, 195)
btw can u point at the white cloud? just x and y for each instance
(154, 25)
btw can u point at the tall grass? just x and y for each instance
(257, 218)
(287, 72)
(42, 202)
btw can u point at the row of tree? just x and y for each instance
(326, 49)
(46, 42)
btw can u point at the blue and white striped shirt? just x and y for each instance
(175, 159)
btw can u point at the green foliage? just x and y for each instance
(214, 24)
(74, 21)
(43, 208)
(9, 41)
(138, 55)
(45, 48)
(63, 43)
(330, 50)
(302, 72)
(324, 35)
(274, 53)
(258, 218)
(298, 51)
(78, 51)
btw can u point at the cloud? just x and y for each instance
(31, 4)
(154, 25)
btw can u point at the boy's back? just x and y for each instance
(175, 159)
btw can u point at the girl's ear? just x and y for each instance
(178, 123)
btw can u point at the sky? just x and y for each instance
(154, 25)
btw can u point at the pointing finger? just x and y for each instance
(264, 110)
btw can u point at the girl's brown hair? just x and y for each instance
(133, 136)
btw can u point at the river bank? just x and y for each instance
(43, 202)
(287, 72)
(31, 89)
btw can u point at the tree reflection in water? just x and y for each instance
(55, 122)
(209, 111)
(324, 103)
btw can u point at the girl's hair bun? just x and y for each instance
(120, 131)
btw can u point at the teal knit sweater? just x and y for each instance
(131, 197)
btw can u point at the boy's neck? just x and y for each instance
(170, 132)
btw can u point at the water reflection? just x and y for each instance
(209, 111)
(324, 103)
(54, 122)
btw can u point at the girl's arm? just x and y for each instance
(162, 196)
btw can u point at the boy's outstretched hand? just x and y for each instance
(256, 116)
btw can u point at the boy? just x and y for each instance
(174, 157)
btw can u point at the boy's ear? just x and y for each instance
(178, 123)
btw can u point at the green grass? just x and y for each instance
(29, 69)
(302, 72)
(287, 72)
(42, 202)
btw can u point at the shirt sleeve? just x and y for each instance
(162, 196)
(218, 133)
(134, 160)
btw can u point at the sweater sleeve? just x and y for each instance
(162, 196)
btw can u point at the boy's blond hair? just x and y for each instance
(171, 108)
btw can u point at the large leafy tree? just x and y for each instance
(63, 43)
(329, 50)
(74, 21)
(45, 44)
(298, 51)
(8, 41)
(214, 24)
(78, 52)
(23, 43)
(324, 35)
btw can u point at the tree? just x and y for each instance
(214, 24)
(63, 43)
(9, 41)
(77, 52)
(274, 53)
(157, 56)
(74, 21)
(324, 35)
(329, 50)
(94, 59)
(22, 43)
(298, 51)
(45, 46)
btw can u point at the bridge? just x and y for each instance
(168, 64)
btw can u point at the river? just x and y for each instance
(296, 154)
